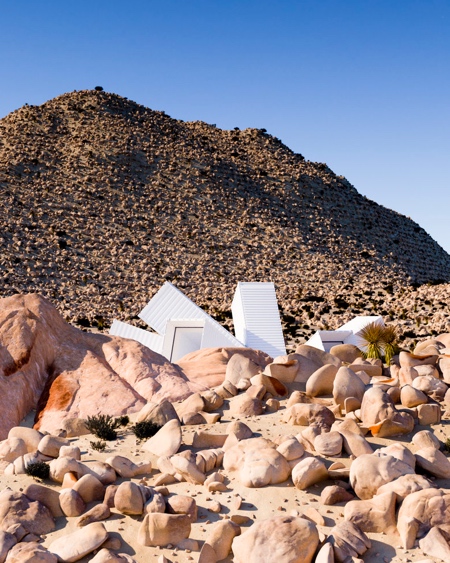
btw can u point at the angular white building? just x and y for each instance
(348, 333)
(182, 327)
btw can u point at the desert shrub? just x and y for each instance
(38, 470)
(123, 420)
(99, 446)
(145, 429)
(380, 341)
(103, 426)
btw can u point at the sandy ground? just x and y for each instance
(258, 504)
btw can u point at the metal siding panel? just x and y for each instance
(258, 317)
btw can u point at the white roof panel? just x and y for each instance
(150, 339)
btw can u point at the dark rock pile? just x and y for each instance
(102, 200)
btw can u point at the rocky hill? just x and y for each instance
(102, 200)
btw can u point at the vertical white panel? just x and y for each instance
(257, 319)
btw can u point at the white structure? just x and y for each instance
(346, 334)
(182, 327)
(257, 319)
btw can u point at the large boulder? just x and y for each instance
(347, 384)
(258, 463)
(74, 546)
(369, 472)
(16, 508)
(283, 538)
(66, 373)
(210, 365)
(309, 360)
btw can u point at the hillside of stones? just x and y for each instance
(103, 199)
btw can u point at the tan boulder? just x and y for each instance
(429, 414)
(74, 546)
(16, 508)
(347, 384)
(410, 360)
(347, 353)
(244, 405)
(307, 472)
(281, 538)
(369, 472)
(334, 494)
(426, 438)
(163, 529)
(435, 543)
(158, 413)
(220, 537)
(291, 449)
(373, 515)
(420, 511)
(50, 445)
(305, 414)
(411, 397)
(212, 400)
(272, 385)
(241, 367)
(46, 496)
(434, 462)
(30, 552)
(321, 381)
(89, 488)
(12, 448)
(239, 429)
(285, 371)
(405, 485)
(30, 436)
(129, 499)
(258, 463)
(328, 444)
(71, 503)
(348, 541)
(166, 441)
(97, 513)
(182, 504)
(325, 554)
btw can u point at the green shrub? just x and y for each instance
(145, 429)
(103, 426)
(38, 470)
(99, 446)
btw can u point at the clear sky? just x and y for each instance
(363, 85)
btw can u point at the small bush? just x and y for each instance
(103, 426)
(38, 470)
(145, 429)
(123, 420)
(447, 445)
(99, 446)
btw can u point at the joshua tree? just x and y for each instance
(380, 340)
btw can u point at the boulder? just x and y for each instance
(89, 488)
(209, 366)
(74, 546)
(347, 384)
(30, 552)
(281, 538)
(16, 508)
(405, 485)
(166, 441)
(244, 405)
(434, 388)
(347, 353)
(334, 494)
(163, 529)
(158, 413)
(433, 462)
(258, 463)
(129, 499)
(307, 472)
(373, 515)
(426, 438)
(435, 543)
(328, 444)
(71, 503)
(12, 448)
(305, 414)
(182, 504)
(369, 472)
(283, 369)
(97, 513)
(46, 496)
(348, 540)
(321, 381)
(410, 397)
(429, 414)
(272, 385)
(220, 537)
(50, 445)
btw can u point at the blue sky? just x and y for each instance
(363, 85)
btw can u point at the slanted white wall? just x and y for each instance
(150, 339)
(346, 334)
(256, 317)
(169, 308)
